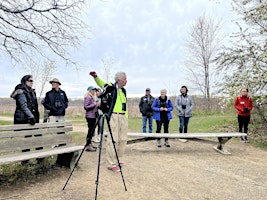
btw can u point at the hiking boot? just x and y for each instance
(158, 143)
(167, 144)
(114, 168)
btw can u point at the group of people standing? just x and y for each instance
(160, 109)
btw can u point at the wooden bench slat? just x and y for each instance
(6, 159)
(37, 125)
(44, 131)
(17, 144)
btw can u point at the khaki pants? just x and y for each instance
(119, 129)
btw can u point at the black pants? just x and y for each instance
(91, 130)
(165, 124)
(243, 121)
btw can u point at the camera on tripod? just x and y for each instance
(106, 98)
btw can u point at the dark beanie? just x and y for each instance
(25, 78)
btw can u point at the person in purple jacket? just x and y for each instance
(90, 106)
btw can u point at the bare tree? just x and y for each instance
(40, 27)
(41, 74)
(108, 62)
(201, 49)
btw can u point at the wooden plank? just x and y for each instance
(17, 144)
(185, 135)
(43, 131)
(37, 125)
(38, 154)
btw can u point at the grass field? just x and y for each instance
(197, 124)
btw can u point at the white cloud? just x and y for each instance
(145, 39)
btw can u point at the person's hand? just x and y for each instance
(93, 74)
(32, 121)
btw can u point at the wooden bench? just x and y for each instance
(41, 140)
(222, 138)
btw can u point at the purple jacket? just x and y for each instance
(90, 107)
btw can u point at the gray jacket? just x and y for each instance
(184, 105)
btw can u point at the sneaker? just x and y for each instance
(114, 168)
(122, 164)
(167, 144)
(242, 139)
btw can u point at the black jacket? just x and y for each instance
(56, 102)
(26, 104)
(145, 105)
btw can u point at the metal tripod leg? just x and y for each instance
(99, 154)
(77, 161)
(100, 151)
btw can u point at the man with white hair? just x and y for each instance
(118, 118)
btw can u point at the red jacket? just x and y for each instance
(242, 102)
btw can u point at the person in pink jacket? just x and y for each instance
(243, 104)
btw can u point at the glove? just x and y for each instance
(32, 121)
(93, 74)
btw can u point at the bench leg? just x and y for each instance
(220, 146)
(67, 159)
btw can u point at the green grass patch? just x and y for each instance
(197, 124)
(5, 122)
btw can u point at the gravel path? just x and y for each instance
(187, 171)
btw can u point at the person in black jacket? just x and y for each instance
(26, 102)
(56, 102)
(146, 110)
(26, 107)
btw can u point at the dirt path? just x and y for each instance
(187, 171)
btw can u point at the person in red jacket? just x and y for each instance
(243, 104)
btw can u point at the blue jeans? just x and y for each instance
(144, 121)
(183, 123)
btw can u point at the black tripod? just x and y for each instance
(101, 119)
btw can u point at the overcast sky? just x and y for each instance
(144, 38)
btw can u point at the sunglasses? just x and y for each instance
(30, 80)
